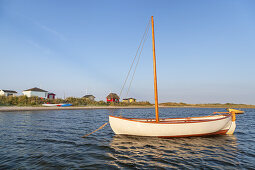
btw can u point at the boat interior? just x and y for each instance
(181, 120)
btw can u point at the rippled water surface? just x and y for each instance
(52, 139)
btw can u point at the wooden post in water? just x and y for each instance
(155, 72)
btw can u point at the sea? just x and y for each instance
(52, 140)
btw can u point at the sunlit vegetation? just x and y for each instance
(20, 101)
(84, 102)
(146, 103)
(36, 101)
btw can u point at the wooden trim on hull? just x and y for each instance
(187, 120)
(227, 113)
(221, 132)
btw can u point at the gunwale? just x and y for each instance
(185, 120)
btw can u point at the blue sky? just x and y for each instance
(205, 49)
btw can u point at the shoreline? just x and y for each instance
(31, 108)
(38, 108)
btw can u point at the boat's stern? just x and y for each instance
(233, 124)
(231, 128)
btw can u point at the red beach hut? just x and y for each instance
(112, 97)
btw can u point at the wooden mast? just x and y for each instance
(155, 72)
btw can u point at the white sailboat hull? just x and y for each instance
(179, 127)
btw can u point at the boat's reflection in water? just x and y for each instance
(152, 152)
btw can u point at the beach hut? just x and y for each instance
(7, 93)
(89, 97)
(129, 100)
(51, 96)
(112, 97)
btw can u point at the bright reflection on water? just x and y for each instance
(178, 152)
(52, 140)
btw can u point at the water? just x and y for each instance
(52, 140)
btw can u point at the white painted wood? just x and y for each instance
(167, 127)
(3, 93)
(35, 93)
(231, 128)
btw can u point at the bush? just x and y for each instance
(36, 101)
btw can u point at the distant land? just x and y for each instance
(34, 101)
(31, 103)
(208, 105)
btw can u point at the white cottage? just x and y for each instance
(7, 93)
(35, 92)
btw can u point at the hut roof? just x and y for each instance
(129, 98)
(9, 91)
(112, 95)
(36, 89)
(87, 96)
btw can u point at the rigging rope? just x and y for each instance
(138, 61)
(146, 30)
(141, 43)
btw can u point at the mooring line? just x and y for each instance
(101, 127)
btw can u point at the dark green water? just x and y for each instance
(52, 140)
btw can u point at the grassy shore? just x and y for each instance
(23, 103)
(37, 102)
(209, 105)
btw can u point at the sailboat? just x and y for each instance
(221, 123)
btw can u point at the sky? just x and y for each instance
(205, 49)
